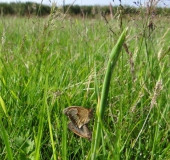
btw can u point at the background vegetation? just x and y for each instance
(29, 8)
(50, 63)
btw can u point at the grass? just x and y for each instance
(47, 64)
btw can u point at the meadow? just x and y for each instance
(50, 63)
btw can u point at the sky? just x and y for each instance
(90, 2)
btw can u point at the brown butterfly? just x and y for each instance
(79, 116)
(82, 132)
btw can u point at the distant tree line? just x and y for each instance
(23, 9)
(28, 8)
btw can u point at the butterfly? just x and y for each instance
(79, 116)
(82, 132)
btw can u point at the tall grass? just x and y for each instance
(102, 105)
(47, 64)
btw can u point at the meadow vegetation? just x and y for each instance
(50, 63)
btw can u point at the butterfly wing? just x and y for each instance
(78, 115)
(82, 132)
(84, 117)
(74, 117)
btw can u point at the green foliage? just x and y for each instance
(73, 10)
(24, 9)
(29, 8)
(6, 9)
(48, 64)
(114, 55)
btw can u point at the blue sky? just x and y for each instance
(88, 2)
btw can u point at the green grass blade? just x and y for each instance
(51, 134)
(100, 111)
(3, 132)
(3, 106)
(41, 122)
(64, 139)
(6, 141)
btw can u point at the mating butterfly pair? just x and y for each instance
(79, 117)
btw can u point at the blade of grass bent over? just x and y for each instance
(5, 138)
(3, 132)
(100, 109)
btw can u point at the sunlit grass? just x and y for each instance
(47, 65)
